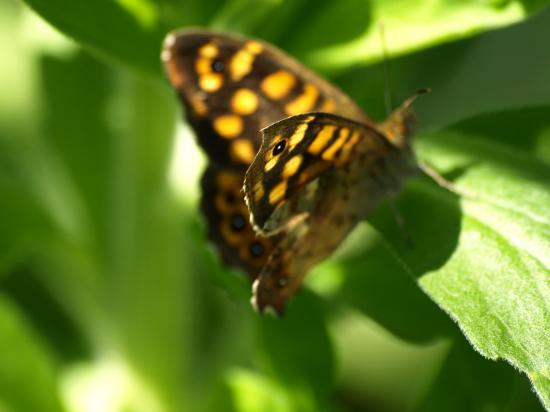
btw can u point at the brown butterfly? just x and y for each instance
(309, 179)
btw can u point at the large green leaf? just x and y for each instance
(131, 30)
(406, 26)
(488, 73)
(497, 283)
(488, 269)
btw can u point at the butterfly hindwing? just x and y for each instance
(228, 220)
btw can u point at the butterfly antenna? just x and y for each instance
(387, 81)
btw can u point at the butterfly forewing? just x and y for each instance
(233, 86)
(295, 152)
(346, 171)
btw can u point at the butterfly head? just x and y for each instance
(399, 126)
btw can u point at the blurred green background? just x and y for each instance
(111, 299)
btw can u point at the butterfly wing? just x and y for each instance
(315, 176)
(295, 153)
(231, 87)
(228, 218)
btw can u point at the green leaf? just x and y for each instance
(468, 78)
(482, 258)
(407, 26)
(131, 31)
(252, 392)
(495, 282)
(495, 387)
(127, 31)
(27, 374)
(297, 352)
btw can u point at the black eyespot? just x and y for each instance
(279, 148)
(257, 249)
(238, 222)
(218, 66)
(230, 198)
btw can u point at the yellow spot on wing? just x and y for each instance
(292, 166)
(211, 82)
(203, 65)
(278, 84)
(270, 164)
(297, 136)
(304, 102)
(348, 147)
(312, 172)
(254, 47)
(338, 143)
(199, 107)
(244, 101)
(229, 180)
(321, 140)
(209, 50)
(240, 64)
(258, 192)
(242, 151)
(277, 193)
(228, 125)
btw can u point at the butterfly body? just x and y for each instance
(308, 179)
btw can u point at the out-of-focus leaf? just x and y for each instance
(407, 26)
(296, 351)
(252, 392)
(27, 374)
(467, 382)
(374, 365)
(127, 31)
(525, 129)
(131, 30)
(468, 78)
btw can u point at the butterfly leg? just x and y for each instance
(444, 183)
(439, 179)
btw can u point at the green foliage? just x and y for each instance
(111, 298)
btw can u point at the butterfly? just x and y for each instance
(279, 201)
